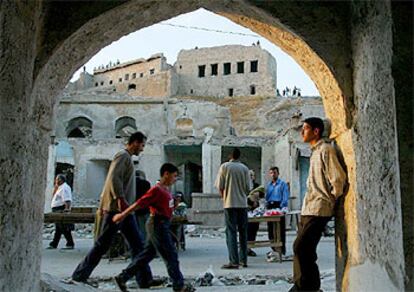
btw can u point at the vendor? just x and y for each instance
(277, 196)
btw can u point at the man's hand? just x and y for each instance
(118, 218)
(122, 204)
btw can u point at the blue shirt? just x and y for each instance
(278, 192)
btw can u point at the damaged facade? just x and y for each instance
(97, 112)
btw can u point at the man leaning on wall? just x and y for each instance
(326, 183)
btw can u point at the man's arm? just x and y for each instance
(335, 173)
(121, 216)
(145, 201)
(67, 196)
(220, 181)
(117, 184)
(285, 196)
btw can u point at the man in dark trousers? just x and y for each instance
(161, 204)
(117, 194)
(233, 183)
(326, 182)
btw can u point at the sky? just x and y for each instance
(169, 40)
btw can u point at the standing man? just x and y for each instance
(326, 182)
(117, 194)
(233, 183)
(277, 196)
(61, 202)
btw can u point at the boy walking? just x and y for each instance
(161, 205)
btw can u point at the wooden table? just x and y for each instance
(277, 240)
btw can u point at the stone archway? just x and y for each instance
(339, 58)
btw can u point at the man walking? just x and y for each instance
(277, 196)
(326, 182)
(61, 202)
(233, 183)
(161, 204)
(117, 194)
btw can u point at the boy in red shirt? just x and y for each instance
(161, 205)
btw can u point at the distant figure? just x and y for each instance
(233, 183)
(326, 183)
(253, 227)
(277, 196)
(61, 202)
(180, 211)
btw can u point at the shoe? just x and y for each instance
(185, 288)
(230, 266)
(244, 265)
(294, 288)
(269, 253)
(51, 247)
(121, 283)
(68, 247)
(251, 253)
(153, 283)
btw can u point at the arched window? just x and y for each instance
(80, 127)
(132, 86)
(124, 127)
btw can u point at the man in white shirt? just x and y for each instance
(61, 202)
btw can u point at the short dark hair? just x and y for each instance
(168, 167)
(274, 168)
(61, 177)
(235, 154)
(137, 136)
(315, 123)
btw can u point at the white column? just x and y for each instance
(51, 164)
(211, 157)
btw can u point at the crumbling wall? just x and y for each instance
(23, 151)
(219, 84)
(375, 233)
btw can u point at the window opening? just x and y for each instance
(252, 89)
(202, 71)
(254, 66)
(214, 69)
(240, 67)
(230, 91)
(226, 68)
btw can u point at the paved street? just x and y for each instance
(201, 253)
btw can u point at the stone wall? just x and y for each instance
(378, 217)
(190, 83)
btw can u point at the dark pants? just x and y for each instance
(305, 270)
(159, 240)
(252, 229)
(236, 220)
(129, 229)
(274, 205)
(60, 229)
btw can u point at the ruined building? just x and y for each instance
(232, 70)
(97, 112)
